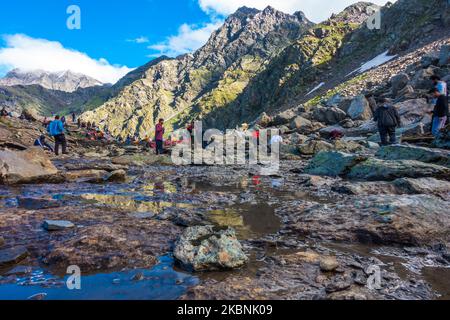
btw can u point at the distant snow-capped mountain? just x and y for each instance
(67, 81)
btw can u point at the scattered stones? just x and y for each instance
(12, 256)
(205, 249)
(37, 203)
(53, 225)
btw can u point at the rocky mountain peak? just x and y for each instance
(67, 81)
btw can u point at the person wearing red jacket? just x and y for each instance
(159, 134)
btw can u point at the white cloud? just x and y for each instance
(28, 53)
(316, 10)
(188, 39)
(139, 40)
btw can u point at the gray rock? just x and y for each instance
(203, 248)
(328, 264)
(360, 109)
(55, 225)
(386, 170)
(301, 124)
(423, 186)
(284, 118)
(429, 59)
(332, 163)
(29, 166)
(37, 203)
(313, 147)
(12, 256)
(410, 152)
(330, 116)
(399, 82)
(117, 176)
(444, 56)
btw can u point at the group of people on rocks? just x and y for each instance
(388, 119)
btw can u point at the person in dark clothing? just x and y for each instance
(388, 120)
(74, 118)
(159, 134)
(440, 112)
(4, 113)
(56, 130)
(42, 142)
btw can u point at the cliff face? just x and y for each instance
(194, 84)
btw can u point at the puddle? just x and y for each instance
(162, 282)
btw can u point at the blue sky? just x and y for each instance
(118, 35)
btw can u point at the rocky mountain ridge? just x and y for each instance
(66, 81)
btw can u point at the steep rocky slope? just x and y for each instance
(213, 76)
(322, 62)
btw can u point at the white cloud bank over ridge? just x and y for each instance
(188, 39)
(28, 53)
(316, 10)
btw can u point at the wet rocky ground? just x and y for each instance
(306, 237)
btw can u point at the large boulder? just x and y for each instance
(332, 163)
(410, 152)
(284, 117)
(440, 188)
(444, 56)
(301, 124)
(29, 166)
(203, 248)
(387, 170)
(413, 111)
(399, 82)
(329, 115)
(360, 109)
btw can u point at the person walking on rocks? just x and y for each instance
(388, 120)
(159, 134)
(56, 130)
(440, 112)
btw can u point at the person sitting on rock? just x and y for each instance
(440, 112)
(388, 120)
(42, 142)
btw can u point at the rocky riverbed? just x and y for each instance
(303, 236)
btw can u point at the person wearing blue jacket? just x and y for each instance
(56, 130)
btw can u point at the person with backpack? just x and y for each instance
(42, 142)
(388, 121)
(56, 130)
(440, 112)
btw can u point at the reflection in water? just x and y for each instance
(159, 283)
(248, 220)
(131, 204)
